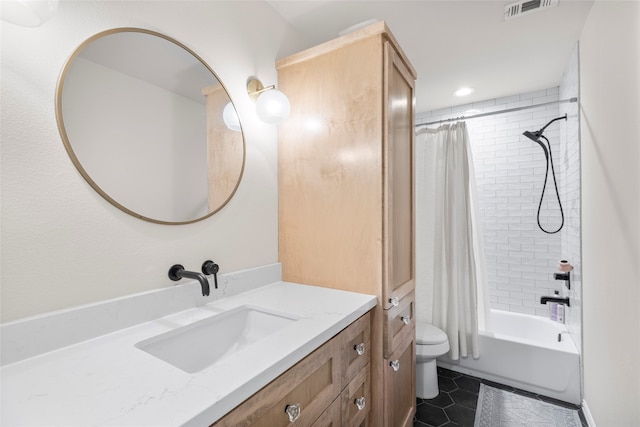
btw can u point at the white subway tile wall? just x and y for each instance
(510, 170)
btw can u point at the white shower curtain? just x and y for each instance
(449, 232)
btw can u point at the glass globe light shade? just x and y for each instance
(230, 117)
(273, 106)
(28, 13)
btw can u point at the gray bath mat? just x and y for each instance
(500, 408)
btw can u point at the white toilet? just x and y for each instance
(431, 342)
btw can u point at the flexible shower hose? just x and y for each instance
(544, 187)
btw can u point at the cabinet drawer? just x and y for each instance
(356, 348)
(399, 321)
(400, 384)
(310, 385)
(332, 417)
(356, 399)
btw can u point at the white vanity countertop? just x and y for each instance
(108, 381)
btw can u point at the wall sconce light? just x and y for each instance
(28, 13)
(230, 117)
(272, 106)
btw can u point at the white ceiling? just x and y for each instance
(457, 43)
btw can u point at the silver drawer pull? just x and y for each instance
(406, 319)
(360, 402)
(395, 365)
(359, 348)
(293, 411)
(394, 301)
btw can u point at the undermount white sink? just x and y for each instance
(199, 345)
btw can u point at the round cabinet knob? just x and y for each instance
(406, 319)
(293, 411)
(394, 301)
(359, 348)
(359, 402)
(395, 365)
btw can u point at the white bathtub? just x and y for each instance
(523, 352)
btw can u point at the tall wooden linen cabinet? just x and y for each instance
(346, 199)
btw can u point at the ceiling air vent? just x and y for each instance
(513, 10)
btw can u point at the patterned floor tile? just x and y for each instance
(456, 403)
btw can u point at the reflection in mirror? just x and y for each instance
(141, 116)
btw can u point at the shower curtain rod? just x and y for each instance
(509, 110)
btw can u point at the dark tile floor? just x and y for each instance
(456, 403)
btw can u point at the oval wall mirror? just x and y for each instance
(141, 116)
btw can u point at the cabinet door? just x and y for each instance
(356, 399)
(398, 323)
(400, 385)
(356, 348)
(306, 390)
(332, 417)
(398, 258)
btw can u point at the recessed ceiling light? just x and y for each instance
(463, 91)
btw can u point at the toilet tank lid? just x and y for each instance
(429, 334)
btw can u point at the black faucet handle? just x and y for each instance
(566, 276)
(209, 267)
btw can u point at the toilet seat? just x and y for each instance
(427, 334)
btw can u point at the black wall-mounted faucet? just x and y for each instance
(559, 300)
(177, 272)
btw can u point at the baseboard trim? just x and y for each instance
(587, 414)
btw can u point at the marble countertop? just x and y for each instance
(108, 381)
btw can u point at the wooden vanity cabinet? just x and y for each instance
(356, 348)
(400, 371)
(332, 417)
(355, 398)
(397, 170)
(399, 321)
(346, 198)
(312, 384)
(329, 387)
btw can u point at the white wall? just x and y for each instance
(610, 127)
(151, 177)
(62, 244)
